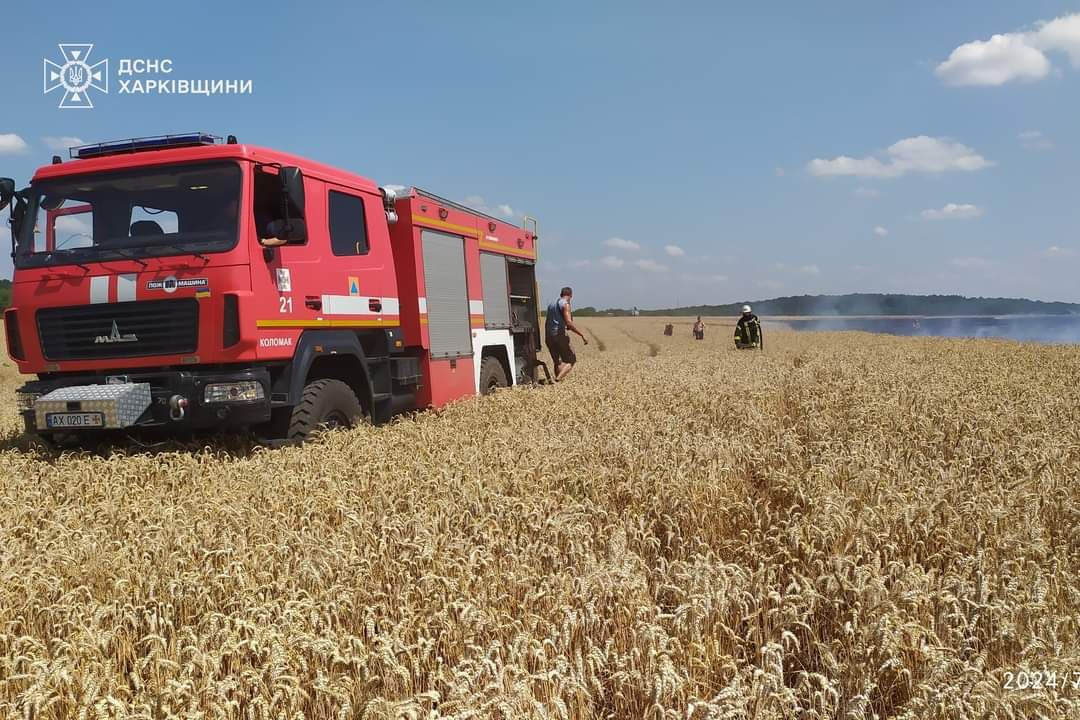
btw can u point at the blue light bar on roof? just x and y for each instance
(132, 145)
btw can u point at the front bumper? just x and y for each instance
(164, 387)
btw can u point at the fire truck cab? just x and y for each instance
(181, 282)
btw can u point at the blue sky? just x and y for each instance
(684, 153)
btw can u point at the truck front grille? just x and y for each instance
(116, 330)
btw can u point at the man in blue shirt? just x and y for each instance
(559, 320)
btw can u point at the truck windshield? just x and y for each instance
(146, 212)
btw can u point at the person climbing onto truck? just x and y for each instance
(699, 329)
(559, 320)
(748, 333)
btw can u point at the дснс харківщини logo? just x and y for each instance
(76, 76)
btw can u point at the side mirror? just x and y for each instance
(18, 216)
(7, 191)
(292, 190)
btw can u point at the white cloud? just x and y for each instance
(674, 250)
(395, 188)
(620, 244)
(996, 61)
(1055, 251)
(953, 211)
(719, 278)
(611, 262)
(61, 143)
(547, 266)
(1013, 56)
(970, 263)
(1062, 34)
(770, 284)
(579, 264)
(921, 154)
(866, 192)
(780, 172)
(861, 269)
(1035, 140)
(12, 143)
(651, 266)
(477, 203)
(880, 231)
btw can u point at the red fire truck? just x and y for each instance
(181, 282)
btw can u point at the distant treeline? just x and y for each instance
(859, 304)
(865, 304)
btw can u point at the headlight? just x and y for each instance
(243, 391)
(25, 401)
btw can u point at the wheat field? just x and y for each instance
(844, 526)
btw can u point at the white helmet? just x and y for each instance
(746, 309)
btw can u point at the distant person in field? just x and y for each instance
(559, 320)
(748, 331)
(699, 329)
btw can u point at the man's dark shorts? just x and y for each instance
(559, 347)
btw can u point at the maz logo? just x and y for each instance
(115, 337)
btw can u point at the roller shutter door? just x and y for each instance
(447, 294)
(496, 292)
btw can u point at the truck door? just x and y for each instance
(360, 281)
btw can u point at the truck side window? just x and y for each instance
(268, 205)
(69, 227)
(348, 231)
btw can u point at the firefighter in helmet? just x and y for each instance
(748, 334)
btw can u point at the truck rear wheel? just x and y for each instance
(325, 403)
(492, 375)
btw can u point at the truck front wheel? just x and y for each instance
(325, 403)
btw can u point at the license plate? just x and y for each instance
(75, 420)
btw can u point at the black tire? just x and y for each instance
(492, 375)
(49, 441)
(325, 403)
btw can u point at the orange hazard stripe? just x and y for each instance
(519, 252)
(473, 233)
(443, 225)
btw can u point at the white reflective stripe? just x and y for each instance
(352, 305)
(99, 289)
(476, 307)
(423, 306)
(125, 287)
